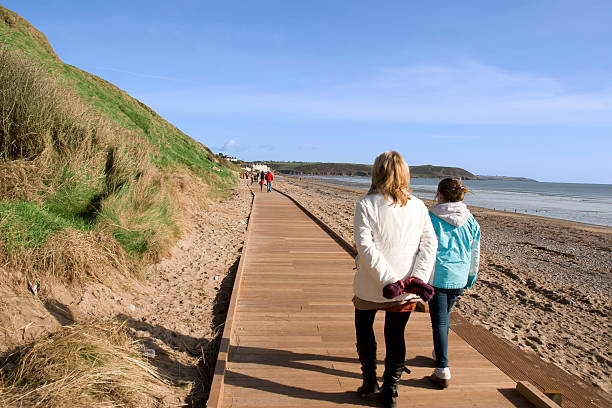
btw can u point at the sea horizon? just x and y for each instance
(588, 203)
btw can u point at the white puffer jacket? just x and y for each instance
(393, 243)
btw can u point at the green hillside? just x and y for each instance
(352, 169)
(429, 171)
(77, 153)
(172, 147)
(94, 186)
(338, 169)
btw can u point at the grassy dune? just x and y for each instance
(92, 183)
(77, 152)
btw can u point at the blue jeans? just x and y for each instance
(269, 186)
(439, 312)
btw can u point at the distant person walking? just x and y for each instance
(262, 175)
(395, 242)
(269, 178)
(261, 183)
(456, 266)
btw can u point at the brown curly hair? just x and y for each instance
(451, 190)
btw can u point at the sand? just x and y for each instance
(545, 285)
(183, 316)
(175, 313)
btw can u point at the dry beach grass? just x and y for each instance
(95, 364)
(148, 342)
(544, 285)
(94, 187)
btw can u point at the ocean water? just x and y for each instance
(587, 203)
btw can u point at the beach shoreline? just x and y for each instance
(544, 283)
(363, 190)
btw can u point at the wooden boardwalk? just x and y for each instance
(289, 338)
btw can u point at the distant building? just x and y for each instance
(230, 158)
(260, 167)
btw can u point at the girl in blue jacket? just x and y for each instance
(456, 266)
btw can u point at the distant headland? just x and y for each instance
(365, 170)
(504, 178)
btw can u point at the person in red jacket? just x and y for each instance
(269, 178)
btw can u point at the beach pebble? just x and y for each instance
(132, 308)
(147, 352)
(33, 287)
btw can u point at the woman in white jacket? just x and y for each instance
(395, 241)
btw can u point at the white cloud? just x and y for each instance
(229, 146)
(140, 74)
(462, 92)
(267, 147)
(233, 146)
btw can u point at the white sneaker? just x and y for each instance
(441, 377)
(442, 373)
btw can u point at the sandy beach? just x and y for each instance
(545, 285)
(175, 313)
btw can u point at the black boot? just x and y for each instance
(367, 357)
(391, 379)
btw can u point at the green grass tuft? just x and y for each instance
(78, 146)
(77, 201)
(27, 225)
(140, 220)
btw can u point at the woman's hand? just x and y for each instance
(425, 291)
(412, 285)
(393, 290)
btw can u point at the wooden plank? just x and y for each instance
(292, 341)
(534, 395)
(215, 397)
(522, 366)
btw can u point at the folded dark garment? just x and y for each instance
(412, 285)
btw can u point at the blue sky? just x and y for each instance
(517, 88)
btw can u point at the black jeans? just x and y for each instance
(395, 324)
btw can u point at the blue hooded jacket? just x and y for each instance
(458, 252)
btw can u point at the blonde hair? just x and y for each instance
(391, 177)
